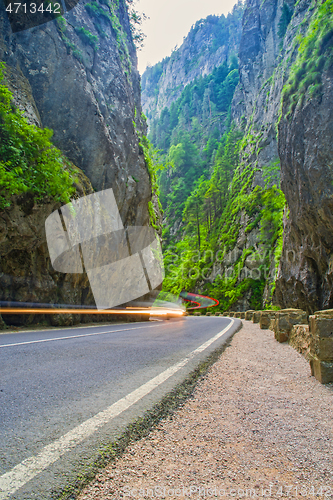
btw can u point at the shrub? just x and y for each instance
(28, 160)
(87, 37)
(315, 55)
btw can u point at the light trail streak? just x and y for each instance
(158, 312)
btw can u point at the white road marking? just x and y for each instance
(11, 481)
(76, 336)
(7, 332)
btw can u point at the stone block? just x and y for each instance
(324, 349)
(231, 314)
(301, 339)
(242, 315)
(321, 331)
(237, 314)
(321, 326)
(325, 313)
(256, 317)
(322, 370)
(249, 314)
(280, 336)
(208, 313)
(284, 321)
(226, 313)
(290, 310)
(266, 318)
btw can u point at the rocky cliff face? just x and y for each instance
(210, 43)
(249, 231)
(306, 151)
(263, 64)
(279, 246)
(296, 132)
(86, 89)
(84, 85)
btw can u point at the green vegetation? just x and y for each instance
(223, 231)
(96, 10)
(314, 56)
(70, 46)
(28, 160)
(121, 36)
(61, 24)
(136, 20)
(87, 37)
(284, 20)
(153, 165)
(103, 13)
(189, 136)
(201, 109)
(216, 31)
(206, 258)
(271, 173)
(207, 193)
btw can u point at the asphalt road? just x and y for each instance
(66, 393)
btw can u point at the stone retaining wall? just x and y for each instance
(249, 315)
(256, 316)
(321, 347)
(301, 339)
(314, 340)
(265, 319)
(284, 321)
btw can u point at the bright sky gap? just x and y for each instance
(170, 21)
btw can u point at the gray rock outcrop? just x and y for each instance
(210, 43)
(301, 145)
(88, 93)
(77, 76)
(306, 150)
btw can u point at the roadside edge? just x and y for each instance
(141, 427)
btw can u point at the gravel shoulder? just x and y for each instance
(257, 425)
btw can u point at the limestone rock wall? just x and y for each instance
(88, 93)
(301, 146)
(306, 150)
(205, 48)
(264, 62)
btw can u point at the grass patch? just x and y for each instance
(87, 37)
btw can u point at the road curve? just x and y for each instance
(65, 393)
